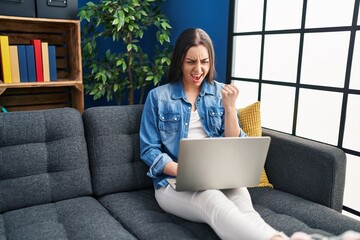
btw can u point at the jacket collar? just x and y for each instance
(179, 92)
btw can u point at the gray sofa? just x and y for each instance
(64, 175)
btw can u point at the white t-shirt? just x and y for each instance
(196, 130)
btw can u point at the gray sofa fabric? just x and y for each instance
(45, 182)
(308, 169)
(291, 213)
(43, 158)
(77, 218)
(67, 176)
(114, 149)
(139, 212)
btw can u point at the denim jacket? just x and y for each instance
(165, 120)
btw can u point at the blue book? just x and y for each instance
(22, 63)
(52, 63)
(30, 57)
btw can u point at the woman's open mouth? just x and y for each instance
(196, 78)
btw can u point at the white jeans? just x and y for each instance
(229, 212)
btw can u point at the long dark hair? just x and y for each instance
(189, 38)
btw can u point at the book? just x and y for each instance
(30, 60)
(14, 64)
(22, 63)
(52, 63)
(38, 59)
(45, 61)
(5, 59)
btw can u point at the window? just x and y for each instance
(303, 64)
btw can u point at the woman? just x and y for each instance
(181, 109)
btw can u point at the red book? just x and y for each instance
(38, 60)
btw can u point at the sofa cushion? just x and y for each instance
(112, 135)
(308, 169)
(286, 223)
(43, 158)
(250, 121)
(290, 213)
(139, 212)
(78, 218)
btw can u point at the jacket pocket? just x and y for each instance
(169, 122)
(215, 115)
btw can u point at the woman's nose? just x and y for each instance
(198, 66)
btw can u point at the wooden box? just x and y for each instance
(65, 35)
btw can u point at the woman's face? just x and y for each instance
(195, 66)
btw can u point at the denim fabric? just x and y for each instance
(165, 120)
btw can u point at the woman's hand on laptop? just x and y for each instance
(171, 168)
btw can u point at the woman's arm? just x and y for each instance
(171, 168)
(229, 95)
(150, 140)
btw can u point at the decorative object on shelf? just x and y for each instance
(126, 67)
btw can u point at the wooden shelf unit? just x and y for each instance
(68, 90)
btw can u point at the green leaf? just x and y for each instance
(116, 21)
(97, 96)
(94, 91)
(88, 47)
(161, 39)
(156, 80)
(135, 47)
(94, 70)
(143, 12)
(166, 37)
(108, 74)
(129, 47)
(164, 25)
(119, 62)
(98, 76)
(149, 78)
(164, 59)
(120, 16)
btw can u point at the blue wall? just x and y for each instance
(210, 15)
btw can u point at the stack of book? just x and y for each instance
(35, 62)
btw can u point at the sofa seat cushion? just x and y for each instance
(139, 212)
(78, 218)
(289, 213)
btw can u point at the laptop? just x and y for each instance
(220, 163)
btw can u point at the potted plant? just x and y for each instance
(125, 67)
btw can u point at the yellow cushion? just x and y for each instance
(250, 120)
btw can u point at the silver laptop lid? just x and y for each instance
(220, 163)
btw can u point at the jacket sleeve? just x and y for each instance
(150, 140)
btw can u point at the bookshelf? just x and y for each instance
(68, 90)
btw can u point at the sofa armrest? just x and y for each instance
(311, 170)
